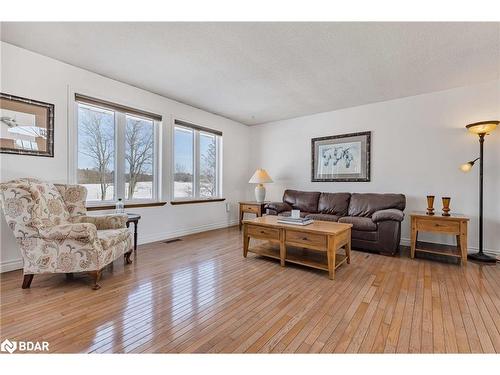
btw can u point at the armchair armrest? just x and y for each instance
(389, 214)
(113, 221)
(76, 231)
(278, 207)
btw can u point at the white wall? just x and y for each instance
(418, 144)
(34, 76)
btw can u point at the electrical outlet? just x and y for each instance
(228, 206)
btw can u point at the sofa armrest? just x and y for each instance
(75, 231)
(113, 221)
(277, 207)
(389, 214)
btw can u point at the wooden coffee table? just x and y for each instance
(314, 245)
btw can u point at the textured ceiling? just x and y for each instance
(261, 72)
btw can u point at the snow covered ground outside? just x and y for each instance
(143, 190)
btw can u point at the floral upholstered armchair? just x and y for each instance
(54, 233)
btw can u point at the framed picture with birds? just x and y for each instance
(341, 158)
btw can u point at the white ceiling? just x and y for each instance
(261, 72)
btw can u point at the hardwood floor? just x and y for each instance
(201, 295)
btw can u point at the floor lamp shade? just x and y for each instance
(260, 177)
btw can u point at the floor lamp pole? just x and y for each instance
(480, 256)
(481, 166)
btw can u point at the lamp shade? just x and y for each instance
(482, 127)
(466, 167)
(260, 177)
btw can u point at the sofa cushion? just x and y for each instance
(323, 217)
(302, 200)
(277, 207)
(334, 203)
(359, 223)
(390, 214)
(367, 203)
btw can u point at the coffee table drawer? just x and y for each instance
(305, 238)
(433, 226)
(263, 233)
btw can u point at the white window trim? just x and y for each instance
(196, 166)
(119, 161)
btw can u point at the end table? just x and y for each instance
(453, 224)
(134, 218)
(252, 207)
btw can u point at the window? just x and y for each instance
(139, 152)
(197, 168)
(116, 151)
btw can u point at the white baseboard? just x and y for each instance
(184, 232)
(11, 265)
(471, 249)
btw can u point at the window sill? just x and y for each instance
(127, 205)
(194, 201)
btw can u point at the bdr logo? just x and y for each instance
(24, 346)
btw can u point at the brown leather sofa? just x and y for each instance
(376, 218)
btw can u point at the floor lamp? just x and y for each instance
(482, 129)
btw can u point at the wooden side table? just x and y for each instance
(134, 218)
(453, 224)
(252, 207)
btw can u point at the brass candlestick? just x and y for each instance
(430, 205)
(446, 206)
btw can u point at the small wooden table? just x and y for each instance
(454, 224)
(322, 237)
(134, 218)
(252, 207)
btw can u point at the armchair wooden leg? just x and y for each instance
(127, 257)
(27, 281)
(96, 275)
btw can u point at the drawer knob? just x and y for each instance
(262, 232)
(304, 238)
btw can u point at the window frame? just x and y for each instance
(197, 130)
(120, 121)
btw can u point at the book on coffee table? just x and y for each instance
(295, 221)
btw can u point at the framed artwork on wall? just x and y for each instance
(341, 158)
(26, 126)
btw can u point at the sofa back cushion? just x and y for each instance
(367, 203)
(334, 203)
(302, 200)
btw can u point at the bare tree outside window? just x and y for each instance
(196, 163)
(139, 144)
(183, 159)
(208, 172)
(96, 150)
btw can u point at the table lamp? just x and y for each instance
(482, 129)
(260, 177)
